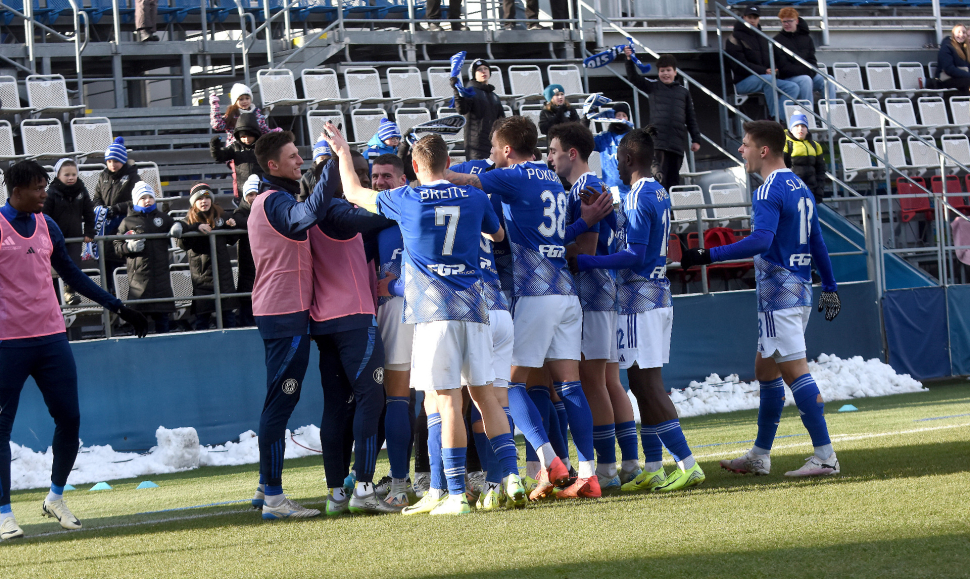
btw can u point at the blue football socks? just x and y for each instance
(672, 437)
(769, 414)
(397, 427)
(812, 408)
(454, 466)
(434, 452)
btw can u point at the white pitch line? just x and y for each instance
(841, 438)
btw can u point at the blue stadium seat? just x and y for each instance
(101, 7)
(318, 10)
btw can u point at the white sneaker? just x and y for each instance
(288, 509)
(58, 510)
(749, 463)
(9, 529)
(814, 466)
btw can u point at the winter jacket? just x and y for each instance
(749, 48)
(951, 62)
(240, 157)
(218, 120)
(148, 272)
(807, 160)
(244, 252)
(114, 189)
(200, 264)
(800, 42)
(480, 110)
(72, 210)
(551, 115)
(376, 148)
(671, 112)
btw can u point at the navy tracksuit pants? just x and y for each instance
(52, 367)
(286, 364)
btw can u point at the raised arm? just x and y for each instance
(353, 190)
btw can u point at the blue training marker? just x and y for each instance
(146, 485)
(848, 408)
(69, 487)
(101, 486)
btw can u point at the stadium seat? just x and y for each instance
(866, 119)
(318, 11)
(42, 138)
(681, 195)
(363, 83)
(317, 118)
(897, 157)
(321, 86)
(569, 76)
(439, 81)
(715, 237)
(724, 193)
(849, 75)
(839, 113)
(958, 147)
(498, 81)
(532, 111)
(91, 135)
(47, 94)
(86, 307)
(181, 288)
(101, 7)
(120, 275)
(405, 83)
(923, 156)
(148, 171)
(916, 201)
(10, 97)
(7, 150)
(911, 76)
(675, 251)
(804, 107)
(880, 77)
(408, 117)
(277, 89)
(960, 107)
(958, 202)
(526, 80)
(3, 191)
(932, 113)
(855, 159)
(366, 123)
(89, 174)
(901, 111)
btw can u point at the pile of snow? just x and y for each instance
(178, 449)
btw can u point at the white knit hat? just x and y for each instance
(140, 190)
(238, 90)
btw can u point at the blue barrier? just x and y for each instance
(958, 316)
(916, 331)
(215, 381)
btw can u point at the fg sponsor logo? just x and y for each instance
(396, 253)
(379, 375)
(484, 263)
(800, 259)
(444, 269)
(552, 251)
(658, 272)
(290, 385)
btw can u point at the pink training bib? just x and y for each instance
(28, 302)
(341, 283)
(284, 282)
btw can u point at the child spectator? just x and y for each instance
(384, 141)
(205, 216)
(608, 142)
(147, 259)
(242, 101)
(70, 206)
(321, 154)
(954, 60)
(804, 156)
(672, 113)
(557, 109)
(113, 191)
(480, 110)
(240, 155)
(244, 253)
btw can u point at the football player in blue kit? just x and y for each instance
(646, 315)
(547, 317)
(443, 298)
(785, 240)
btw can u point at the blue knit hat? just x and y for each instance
(551, 90)
(321, 148)
(797, 119)
(117, 151)
(388, 130)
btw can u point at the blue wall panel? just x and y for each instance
(916, 331)
(958, 310)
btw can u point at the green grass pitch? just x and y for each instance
(900, 508)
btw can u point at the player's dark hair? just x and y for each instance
(519, 133)
(268, 147)
(573, 136)
(666, 60)
(495, 125)
(638, 143)
(767, 134)
(537, 154)
(389, 159)
(431, 153)
(24, 174)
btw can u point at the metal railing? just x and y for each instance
(30, 22)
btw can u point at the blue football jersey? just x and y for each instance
(490, 277)
(536, 212)
(647, 222)
(473, 167)
(597, 287)
(502, 252)
(441, 225)
(390, 248)
(784, 206)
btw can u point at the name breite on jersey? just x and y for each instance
(440, 194)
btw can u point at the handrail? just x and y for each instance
(317, 36)
(30, 22)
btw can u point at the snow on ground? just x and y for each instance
(178, 449)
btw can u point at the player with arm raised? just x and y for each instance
(647, 315)
(786, 239)
(546, 315)
(443, 298)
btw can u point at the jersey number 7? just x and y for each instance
(448, 216)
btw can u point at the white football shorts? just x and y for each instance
(397, 336)
(448, 351)
(599, 336)
(781, 333)
(546, 328)
(644, 339)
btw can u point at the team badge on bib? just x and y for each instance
(290, 386)
(158, 222)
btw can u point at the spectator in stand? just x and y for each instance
(558, 8)
(954, 60)
(244, 253)
(607, 143)
(147, 259)
(205, 216)
(321, 154)
(113, 191)
(480, 110)
(70, 206)
(795, 37)
(242, 102)
(454, 15)
(385, 141)
(752, 54)
(672, 113)
(557, 109)
(241, 154)
(146, 15)
(804, 156)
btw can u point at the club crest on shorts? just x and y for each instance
(290, 386)
(157, 221)
(379, 375)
